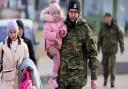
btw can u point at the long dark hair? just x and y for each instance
(9, 41)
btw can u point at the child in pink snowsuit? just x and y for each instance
(54, 29)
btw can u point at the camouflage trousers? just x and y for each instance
(71, 78)
(109, 66)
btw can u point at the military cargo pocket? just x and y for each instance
(75, 64)
(77, 77)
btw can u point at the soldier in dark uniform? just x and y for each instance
(109, 38)
(78, 51)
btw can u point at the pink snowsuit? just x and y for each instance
(51, 30)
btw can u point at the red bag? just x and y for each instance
(25, 80)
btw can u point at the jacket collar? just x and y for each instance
(70, 24)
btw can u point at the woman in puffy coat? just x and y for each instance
(13, 50)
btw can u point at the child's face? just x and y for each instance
(56, 15)
(13, 35)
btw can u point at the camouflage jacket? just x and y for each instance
(79, 49)
(109, 37)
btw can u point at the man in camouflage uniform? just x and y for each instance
(109, 37)
(78, 51)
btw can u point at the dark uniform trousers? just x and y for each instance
(71, 78)
(109, 66)
(72, 82)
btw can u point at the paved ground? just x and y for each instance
(45, 67)
(121, 83)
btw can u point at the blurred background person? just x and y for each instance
(109, 37)
(27, 41)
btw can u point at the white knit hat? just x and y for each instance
(12, 25)
(53, 1)
(54, 6)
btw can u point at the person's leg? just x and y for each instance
(105, 63)
(56, 62)
(71, 79)
(56, 65)
(77, 78)
(63, 75)
(112, 69)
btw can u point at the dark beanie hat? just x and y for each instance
(108, 14)
(20, 24)
(74, 4)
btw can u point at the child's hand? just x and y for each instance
(59, 35)
(32, 87)
(64, 34)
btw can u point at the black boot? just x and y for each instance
(112, 85)
(105, 83)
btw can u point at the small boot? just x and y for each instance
(52, 81)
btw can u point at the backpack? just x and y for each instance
(25, 80)
(1, 62)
